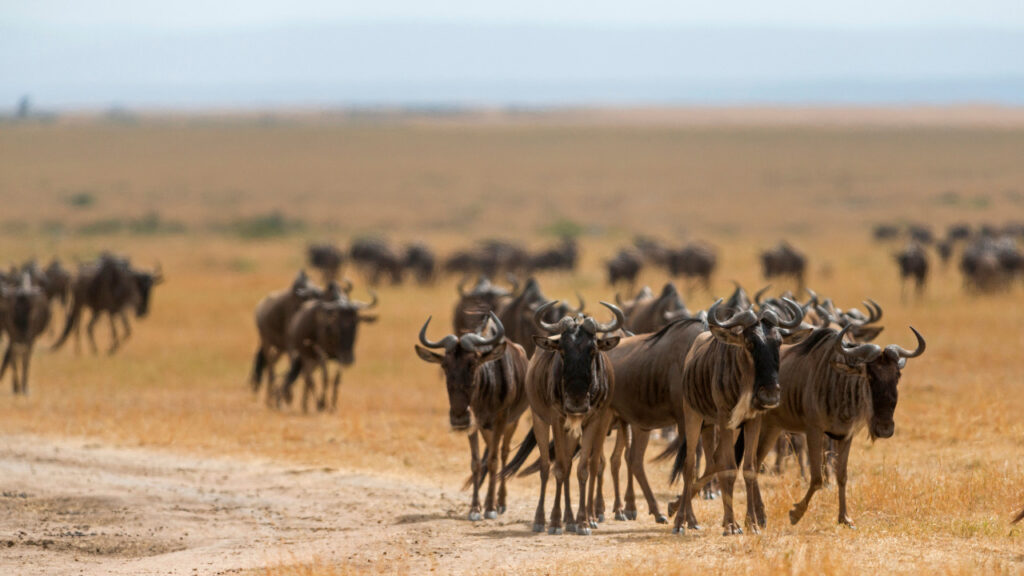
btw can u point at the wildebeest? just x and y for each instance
(885, 231)
(328, 259)
(945, 251)
(696, 261)
(569, 384)
(109, 286)
(421, 261)
(323, 331)
(273, 316)
(25, 314)
(484, 374)
(377, 259)
(653, 251)
(473, 305)
(730, 378)
(990, 264)
(647, 313)
(913, 263)
(833, 389)
(784, 261)
(921, 234)
(560, 257)
(516, 314)
(625, 266)
(497, 256)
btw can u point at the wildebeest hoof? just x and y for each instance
(555, 530)
(795, 515)
(570, 527)
(661, 519)
(600, 518)
(501, 510)
(630, 514)
(732, 529)
(538, 527)
(620, 516)
(679, 530)
(491, 515)
(710, 494)
(474, 516)
(583, 530)
(593, 525)
(848, 523)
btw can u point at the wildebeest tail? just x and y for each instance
(517, 461)
(669, 450)
(293, 374)
(259, 363)
(535, 467)
(7, 360)
(72, 317)
(677, 465)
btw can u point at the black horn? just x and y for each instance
(862, 353)
(903, 352)
(556, 328)
(445, 342)
(474, 341)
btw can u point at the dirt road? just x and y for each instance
(72, 507)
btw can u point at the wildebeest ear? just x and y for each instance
(796, 335)
(545, 343)
(847, 369)
(727, 336)
(867, 333)
(368, 318)
(428, 355)
(606, 344)
(496, 352)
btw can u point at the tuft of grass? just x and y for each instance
(270, 225)
(81, 200)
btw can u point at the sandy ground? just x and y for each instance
(75, 507)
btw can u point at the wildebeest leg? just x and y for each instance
(615, 464)
(690, 427)
(15, 369)
(829, 457)
(273, 394)
(90, 331)
(555, 522)
(474, 466)
(597, 497)
(710, 490)
(637, 448)
(725, 459)
(769, 437)
(814, 438)
(26, 360)
(127, 326)
(115, 342)
(755, 519)
(800, 451)
(630, 510)
(842, 459)
(569, 445)
(782, 446)
(309, 387)
(493, 439)
(541, 432)
(596, 469)
(321, 403)
(582, 475)
(334, 390)
(506, 443)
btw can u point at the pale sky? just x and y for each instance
(192, 14)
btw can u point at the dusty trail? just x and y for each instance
(71, 507)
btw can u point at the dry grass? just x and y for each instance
(935, 498)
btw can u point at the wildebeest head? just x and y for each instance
(337, 323)
(144, 283)
(882, 368)
(759, 335)
(461, 358)
(579, 342)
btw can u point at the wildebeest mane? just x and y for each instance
(681, 322)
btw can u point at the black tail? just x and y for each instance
(258, 365)
(535, 467)
(677, 465)
(738, 448)
(293, 375)
(529, 443)
(73, 314)
(669, 450)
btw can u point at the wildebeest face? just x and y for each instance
(883, 377)
(460, 364)
(144, 283)
(579, 352)
(337, 325)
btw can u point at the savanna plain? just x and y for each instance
(160, 459)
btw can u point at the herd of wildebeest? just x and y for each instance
(792, 373)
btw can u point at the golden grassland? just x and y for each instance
(936, 497)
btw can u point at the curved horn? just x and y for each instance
(874, 311)
(461, 286)
(443, 343)
(903, 352)
(556, 328)
(366, 306)
(862, 353)
(812, 302)
(796, 313)
(583, 302)
(826, 318)
(473, 341)
(618, 300)
(760, 293)
(616, 323)
(745, 318)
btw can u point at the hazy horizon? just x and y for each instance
(67, 60)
